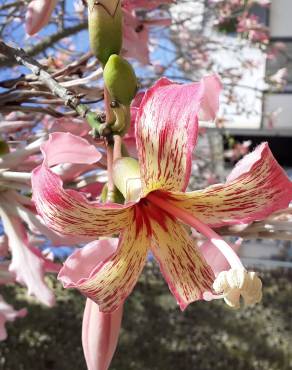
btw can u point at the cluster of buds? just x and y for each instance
(105, 34)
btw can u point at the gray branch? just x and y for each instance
(95, 119)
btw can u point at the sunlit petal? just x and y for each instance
(255, 188)
(67, 211)
(181, 263)
(166, 132)
(110, 278)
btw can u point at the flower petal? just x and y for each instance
(38, 15)
(210, 103)
(8, 313)
(216, 260)
(255, 188)
(100, 334)
(67, 211)
(67, 148)
(27, 267)
(108, 282)
(184, 268)
(166, 132)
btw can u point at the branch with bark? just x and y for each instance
(94, 119)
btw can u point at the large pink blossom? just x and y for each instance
(166, 132)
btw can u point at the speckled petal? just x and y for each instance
(166, 132)
(108, 283)
(181, 263)
(255, 188)
(67, 211)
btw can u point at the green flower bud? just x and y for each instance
(4, 148)
(120, 79)
(105, 28)
(127, 178)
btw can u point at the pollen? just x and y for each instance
(237, 283)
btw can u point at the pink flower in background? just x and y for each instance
(26, 265)
(166, 131)
(144, 4)
(17, 212)
(250, 25)
(136, 31)
(38, 15)
(8, 313)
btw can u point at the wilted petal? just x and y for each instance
(107, 279)
(181, 263)
(100, 333)
(38, 15)
(27, 267)
(8, 313)
(67, 211)
(166, 132)
(255, 188)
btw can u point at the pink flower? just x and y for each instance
(166, 132)
(256, 31)
(8, 313)
(136, 32)
(38, 14)
(28, 265)
(144, 4)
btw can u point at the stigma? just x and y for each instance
(237, 283)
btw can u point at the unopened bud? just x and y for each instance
(105, 28)
(120, 79)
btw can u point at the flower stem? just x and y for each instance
(118, 141)
(202, 228)
(110, 184)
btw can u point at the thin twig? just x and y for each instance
(20, 56)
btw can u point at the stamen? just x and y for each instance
(202, 228)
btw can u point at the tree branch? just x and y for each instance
(94, 119)
(45, 43)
